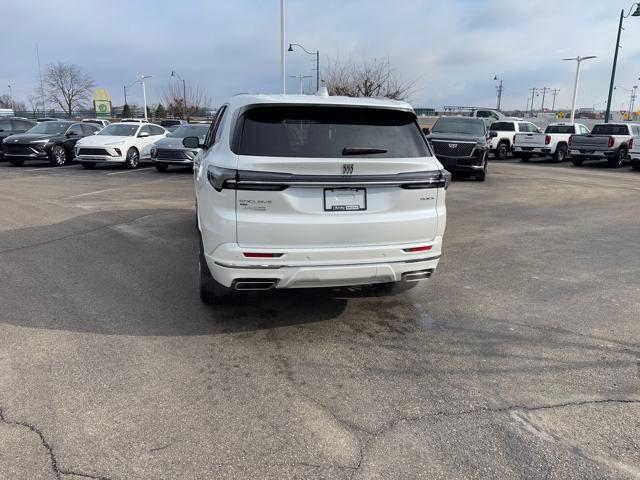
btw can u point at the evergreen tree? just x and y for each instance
(126, 111)
(160, 111)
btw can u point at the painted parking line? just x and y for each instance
(129, 171)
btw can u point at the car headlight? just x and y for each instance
(153, 152)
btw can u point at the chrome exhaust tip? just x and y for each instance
(254, 284)
(417, 275)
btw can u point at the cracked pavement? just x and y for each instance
(520, 358)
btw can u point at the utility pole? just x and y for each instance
(124, 87)
(544, 93)
(632, 101)
(499, 88)
(555, 93)
(527, 109)
(12, 104)
(41, 82)
(533, 91)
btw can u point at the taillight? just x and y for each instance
(424, 248)
(261, 255)
(547, 139)
(570, 141)
(630, 144)
(611, 142)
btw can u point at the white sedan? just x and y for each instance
(126, 143)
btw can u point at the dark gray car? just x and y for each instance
(170, 151)
(461, 145)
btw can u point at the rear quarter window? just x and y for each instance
(608, 129)
(502, 127)
(329, 132)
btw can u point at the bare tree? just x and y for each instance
(173, 96)
(35, 101)
(366, 79)
(5, 101)
(67, 86)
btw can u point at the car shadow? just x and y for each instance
(133, 272)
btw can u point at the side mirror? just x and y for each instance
(143, 134)
(426, 131)
(493, 134)
(72, 134)
(191, 142)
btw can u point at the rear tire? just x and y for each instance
(211, 292)
(577, 161)
(161, 168)
(89, 166)
(618, 160)
(59, 156)
(16, 163)
(560, 153)
(502, 150)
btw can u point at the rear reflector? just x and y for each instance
(425, 248)
(261, 255)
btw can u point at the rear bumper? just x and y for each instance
(327, 267)
(532, 150)
(594, 153)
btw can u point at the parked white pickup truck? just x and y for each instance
(610, 141)
(634, 152)
(554, 141)
(502, 142)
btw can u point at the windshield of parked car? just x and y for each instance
(610, 129)
(330, 132)
(120, 130)
(199, 131)
(560, 129)
(169, 123)
(52, 128)
(465, 126)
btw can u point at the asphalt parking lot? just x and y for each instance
(520, 358)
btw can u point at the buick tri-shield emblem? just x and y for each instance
(347, 168)
(453, 145)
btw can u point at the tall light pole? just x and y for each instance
(579, 61)
(555, 93)
(13, 105)
(300, 77)
(144, 95)
(499, 88)
(636, 13)
(184, 92)
(282, 54)
(317, 55)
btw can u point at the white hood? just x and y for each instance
(101, 140)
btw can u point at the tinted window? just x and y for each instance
(214, 124)
(76, 128)
(169, 123)
(23, 125)
(120, 129)
(199, 131)
(330, 132)
(465, 126)
(144, 129)
(5, 125)
(559, 129)
(156, 130)
(503, 126)
(609, 129)
(53, 128)
(88, 129)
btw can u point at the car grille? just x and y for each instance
(92, 151)
(172, 154)
(452, 148)
(17, 149)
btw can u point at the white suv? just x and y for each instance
(315, 191)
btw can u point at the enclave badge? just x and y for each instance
(347, 168)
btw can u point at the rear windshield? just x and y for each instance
(503, 126)
(330, 132)
(465, 126)
(170, 123)
(609, 129)
(560, 129)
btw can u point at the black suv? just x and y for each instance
(52, 141)
(461, 144)
(11, 126)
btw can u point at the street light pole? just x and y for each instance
(13, 104)
(554, 92)
(578, 61)
(317, 55)
(144, 95)
(300, 77)
(499, 91)
(615, 56)
(282, 54)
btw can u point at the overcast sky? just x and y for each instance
(452, 49)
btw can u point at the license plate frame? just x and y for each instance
(358, 204)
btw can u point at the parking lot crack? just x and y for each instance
(55, 466)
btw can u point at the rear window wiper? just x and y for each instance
(362, 150)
